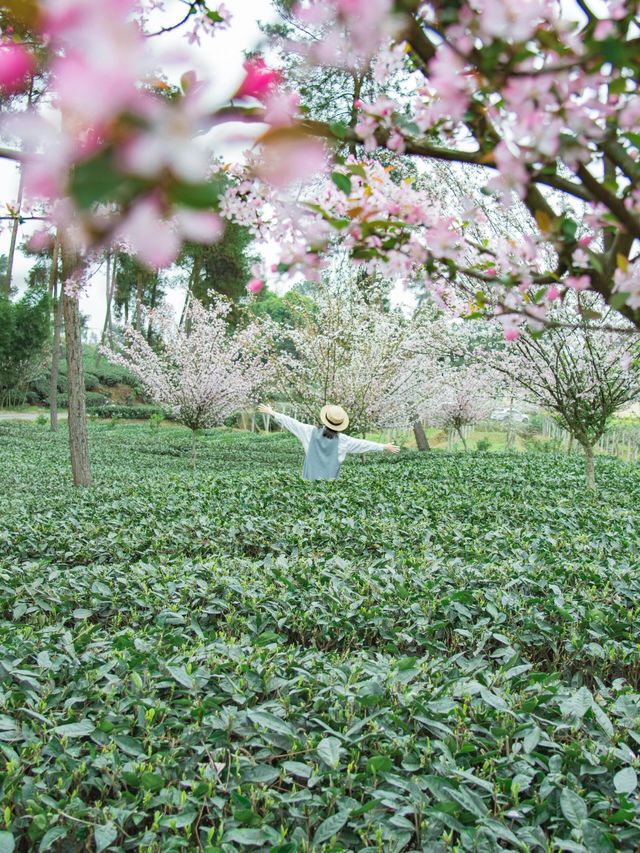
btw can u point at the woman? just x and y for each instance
(326, 446)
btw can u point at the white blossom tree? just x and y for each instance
(458, 397)
(579, 370)
(347, 351)
(201, 372)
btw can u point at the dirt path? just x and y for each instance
(27, 416)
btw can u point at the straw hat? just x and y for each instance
(334, 417)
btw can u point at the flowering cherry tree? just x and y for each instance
(462, 395)
(199, 371)
(346, 351)
(547, 106)
(578, 370)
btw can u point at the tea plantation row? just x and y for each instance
(437, 652)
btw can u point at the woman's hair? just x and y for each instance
(328, 433)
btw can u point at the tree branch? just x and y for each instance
(611, 201)
(192, 8)
(12, 154)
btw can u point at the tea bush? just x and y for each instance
(437, 652)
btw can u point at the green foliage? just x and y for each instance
(484, 444)
(93, 399)
(155, 419)
(223, 267)
(287, 311)
(24, 332)
(91, 381)
(103, 375)
(136, 286)
(439, 652)
(135, 413)
(284, 310)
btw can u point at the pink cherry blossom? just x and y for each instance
(150, 235)
(259, 80)
(168, 142)
(255, 285)
(200, 226)
(16, 64)
(291, 159)
(281, 108)
(511, 20)
(371, 366)
(578, 282)
(40, 240)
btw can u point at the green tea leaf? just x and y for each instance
(330, 827)
(81, 729)
(104, 836)
(573, 807)
(625, 781)
(329, 751)
(7, 842)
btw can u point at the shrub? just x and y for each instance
(464, 641)
(536, 423)
(91, 381)
(41, 385)
(155, 420)
(95, 399)
(110, 374)
(42, 420)
(32, 398)
(137, 413)
(108, 380)
(484, 444)
(547, 445)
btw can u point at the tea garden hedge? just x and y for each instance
(438, 652)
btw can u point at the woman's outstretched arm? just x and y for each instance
(301, 431)
(359, 445)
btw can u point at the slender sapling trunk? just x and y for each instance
(590, 468)
(422, 442)
(77, 415)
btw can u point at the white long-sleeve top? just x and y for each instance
(346, 444)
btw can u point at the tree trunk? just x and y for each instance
(511, 433)
(193, 450)
(590, 469)
(353, 120)
(111, 287)
(77, 415)
(138, 323)
(570, 445)
(57, 330)
(460, 431)
(194, 278)
(422, 442)
(152, 305)
(6, 285)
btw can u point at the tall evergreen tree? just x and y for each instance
(24, 334)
